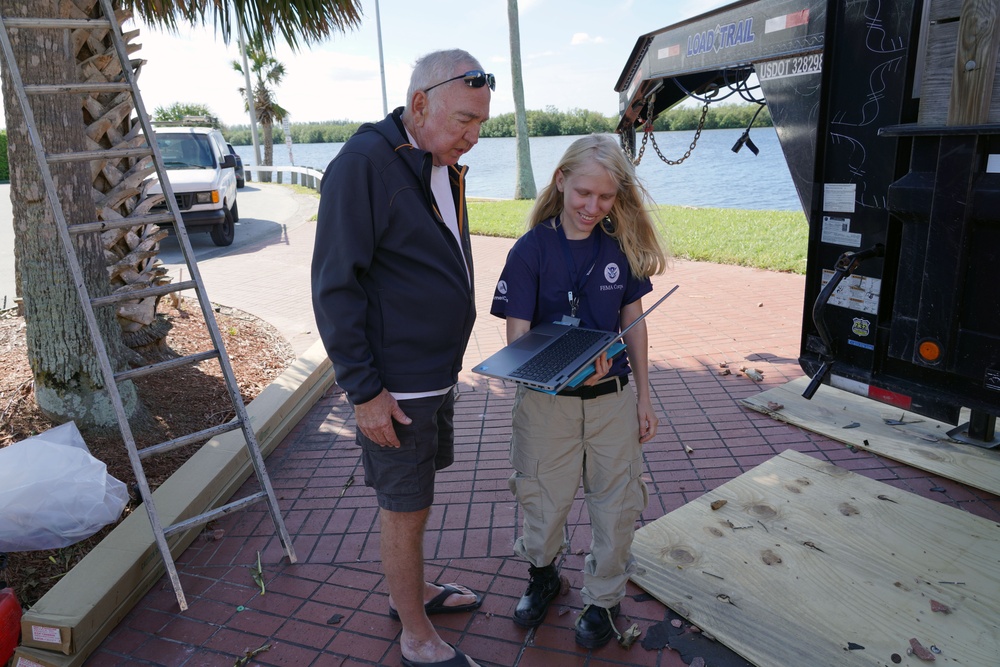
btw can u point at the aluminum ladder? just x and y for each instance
(67, 232)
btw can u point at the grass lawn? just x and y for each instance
(772, 240)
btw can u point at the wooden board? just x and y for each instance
(79, 612)
(939, 70)
(920, 442)
(974, 79)
(811, 564)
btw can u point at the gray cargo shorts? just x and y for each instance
(403, 478)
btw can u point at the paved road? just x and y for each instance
(264, 272)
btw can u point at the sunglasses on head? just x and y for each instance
(476, 78)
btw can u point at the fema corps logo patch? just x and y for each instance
(611, 272)
(861, 327)
(502, 286)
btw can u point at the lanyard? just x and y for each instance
(579, 279)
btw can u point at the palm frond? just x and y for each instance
(298, 22)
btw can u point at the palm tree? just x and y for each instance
(68, 381)
(118, 187)
(524, 188)
(268, 73)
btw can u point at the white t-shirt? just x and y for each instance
(441, 189)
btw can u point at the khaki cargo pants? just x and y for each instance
(556, 441)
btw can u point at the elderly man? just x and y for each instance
(393, 295)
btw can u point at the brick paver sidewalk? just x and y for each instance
(330, 609)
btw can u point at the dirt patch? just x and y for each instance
(178, 402)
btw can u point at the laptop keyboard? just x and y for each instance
(554, 358)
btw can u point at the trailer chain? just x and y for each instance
(648, 135)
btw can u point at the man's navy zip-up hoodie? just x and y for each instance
(391, 291)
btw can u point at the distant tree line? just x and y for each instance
(720, 117)
(329, 132)
(549, 122)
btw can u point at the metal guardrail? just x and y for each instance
(305, 176)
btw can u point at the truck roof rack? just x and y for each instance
(189, 121)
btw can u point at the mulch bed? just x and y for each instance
(176, 403)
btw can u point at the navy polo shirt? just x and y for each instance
(536, 281)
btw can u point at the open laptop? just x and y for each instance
(552, 356)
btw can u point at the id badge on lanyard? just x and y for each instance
(578, 280)
(569, 320)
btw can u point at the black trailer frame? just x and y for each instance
(902, 298)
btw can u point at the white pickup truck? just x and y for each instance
(202, 175)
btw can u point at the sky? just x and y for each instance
(573, 52)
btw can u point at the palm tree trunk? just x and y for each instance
(109, 122)
(268, 129)
(524, 188)
(67, 377)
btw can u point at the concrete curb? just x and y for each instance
(71, 620)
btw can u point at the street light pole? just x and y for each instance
(381, 60)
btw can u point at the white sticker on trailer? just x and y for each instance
(855, 292)
(839, 197)
(838, 232)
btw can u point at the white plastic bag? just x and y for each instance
(53, 493)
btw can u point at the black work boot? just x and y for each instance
(596, 626)
(543, 587)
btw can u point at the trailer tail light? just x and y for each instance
(929, 351)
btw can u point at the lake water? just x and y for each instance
(713, 176)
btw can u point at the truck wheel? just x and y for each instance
(241, 182)
(236, 212)
(223, 235)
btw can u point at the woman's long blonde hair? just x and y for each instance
(631, 223)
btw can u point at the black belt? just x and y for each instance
(610, 386)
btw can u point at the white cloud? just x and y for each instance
(584, 38)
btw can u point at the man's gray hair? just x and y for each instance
(438, 66)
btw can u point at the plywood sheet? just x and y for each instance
(807, 563)
(939, 69)
(919, 442)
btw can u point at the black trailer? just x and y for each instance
(888, 114)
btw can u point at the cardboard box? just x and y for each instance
(32, 657)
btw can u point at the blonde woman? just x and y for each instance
(586, 259)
